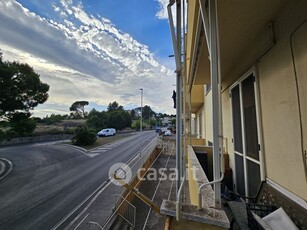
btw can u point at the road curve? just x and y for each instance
(49, 180)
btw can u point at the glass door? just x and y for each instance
(245, 137)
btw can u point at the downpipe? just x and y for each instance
(206, 184)
(178, 202)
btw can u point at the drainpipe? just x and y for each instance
(190, 113)
(183, 175)
(184, 94)
(174, 39)
(179, 100)
(218, 171)
(178, 202)
(177, 51)
(215, 101)
(221, 133)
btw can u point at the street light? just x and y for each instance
(141, 124)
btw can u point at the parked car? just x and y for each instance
(167, 133)
(106, 132)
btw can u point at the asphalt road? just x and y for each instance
(48, 181)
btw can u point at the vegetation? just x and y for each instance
(119, 120)
(105, 140)
(114, 106)
(78, 108)
(137, 124)
(84, 136)
(97, 120)
(21, 91)
(116, 117)
(147, 112)
(52, 119)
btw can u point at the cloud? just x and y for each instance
(83, 56)
(162, 13)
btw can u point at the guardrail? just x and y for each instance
(144, 154)
(126, 210)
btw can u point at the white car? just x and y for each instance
(168, 133)
(106, 132)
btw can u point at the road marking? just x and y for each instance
(93, 155)
(105, 148)
(80, 204)
(81, 221)
(99, 151)
(87, 206)
(103, 186)
(95, 152)
(10, 167)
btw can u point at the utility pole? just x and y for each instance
(141, 123)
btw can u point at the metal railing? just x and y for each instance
(126, 210)
(141, 155)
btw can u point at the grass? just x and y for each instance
(105, 140)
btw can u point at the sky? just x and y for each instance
(94, 50)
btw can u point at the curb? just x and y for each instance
(4, 169)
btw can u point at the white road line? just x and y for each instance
(102, 187)
(80, 204)
(81, 222)
(87, 206)
(93, 155)
(100, 150)
(10, 167)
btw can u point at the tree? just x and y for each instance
(78, 108)
(21, 89)
(174, 122)
(114, 106)
(53, 118)
(152, 123)
(137, 124)
(97, 120)
(147, 112)
(119, 119)
(133, 114)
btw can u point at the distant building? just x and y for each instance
(166, 121)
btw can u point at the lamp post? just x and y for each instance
(141, 123)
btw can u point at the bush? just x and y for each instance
(22, 125)
(7, 135)
(84, 136)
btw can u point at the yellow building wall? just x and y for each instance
(279, 105)
(208, 117)
(227, 127)
(200, 114)
(284, 163)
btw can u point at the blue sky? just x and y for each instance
(98, 51)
